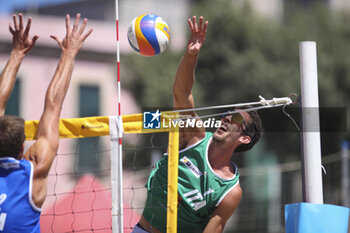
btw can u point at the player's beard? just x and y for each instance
(219, 139)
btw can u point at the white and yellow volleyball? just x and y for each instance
(148, 35)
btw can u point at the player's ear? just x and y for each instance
(20, 155)
(244, 139)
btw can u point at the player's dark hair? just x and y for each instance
(11, 136)
(254, 130)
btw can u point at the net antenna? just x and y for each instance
(116, 132)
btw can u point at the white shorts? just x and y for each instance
(138, 229)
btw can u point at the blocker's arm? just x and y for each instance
(43, 151)
(21, 45)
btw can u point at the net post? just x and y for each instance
(173, 162)
(310, 119)
(116, 132)
(116, 148)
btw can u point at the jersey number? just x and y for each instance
(3, 197)
(2, 221)
(195, 199)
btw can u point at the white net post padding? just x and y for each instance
(313, 189)
(116, 147)
(116, 133)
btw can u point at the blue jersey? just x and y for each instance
(18, 213)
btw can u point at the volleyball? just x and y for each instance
(148, 35)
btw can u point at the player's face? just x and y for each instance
(232, 127)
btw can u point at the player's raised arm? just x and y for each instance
(21, 45)
(184, 80)
(43, 151)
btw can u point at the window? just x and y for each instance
(88, 157)
(12, 107)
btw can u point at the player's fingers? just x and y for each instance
(82, 28)
(20, 21)
(34, 39)
(58, 40)
(15, 22)
(200, 26)
(190, 23)
(29, 23)
(76, 22)
(87, 34)
(68, 23)
(194, 22)
(11, 30)
(205, 26)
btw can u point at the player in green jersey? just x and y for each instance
(208, 185)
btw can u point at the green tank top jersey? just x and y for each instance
(200, 189)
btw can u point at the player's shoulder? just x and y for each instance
(233, 197)
(230, 203)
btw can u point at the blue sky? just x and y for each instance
(6, 6)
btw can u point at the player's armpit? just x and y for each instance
(41, 154)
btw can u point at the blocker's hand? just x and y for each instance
(21, 43)
(74, 39)
(198, 33)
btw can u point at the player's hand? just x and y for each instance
(74, 39)
(198, 33)
(21, 42)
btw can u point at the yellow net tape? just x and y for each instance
(99, 126)
(74, 128)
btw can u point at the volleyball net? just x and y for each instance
(81, 199)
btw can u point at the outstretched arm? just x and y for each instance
(43, 151)
(21, 44)
(184, 80)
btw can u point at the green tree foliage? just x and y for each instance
(257, 56)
